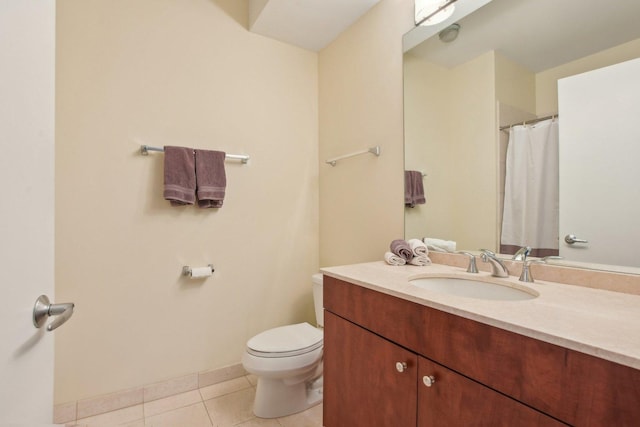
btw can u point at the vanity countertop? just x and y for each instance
(598, 322)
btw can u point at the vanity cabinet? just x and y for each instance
(378, 348)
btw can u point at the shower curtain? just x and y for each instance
(531, 205)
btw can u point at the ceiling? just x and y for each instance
(310, 24)
(538, 34)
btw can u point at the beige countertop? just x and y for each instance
(598, 322)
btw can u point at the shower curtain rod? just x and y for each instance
(528, 122)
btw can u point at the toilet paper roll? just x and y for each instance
(200, 272)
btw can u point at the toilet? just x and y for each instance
(288, 363)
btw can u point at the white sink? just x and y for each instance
(471, 288)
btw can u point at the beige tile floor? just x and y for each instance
(221, 405)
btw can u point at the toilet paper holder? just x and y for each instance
(188, 271)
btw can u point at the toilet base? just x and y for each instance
(276, 399)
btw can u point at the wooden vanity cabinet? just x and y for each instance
(483, 375)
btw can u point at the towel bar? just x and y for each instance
(373, 150)
(144, 150)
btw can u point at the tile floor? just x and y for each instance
(225, 404)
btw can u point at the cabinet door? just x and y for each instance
(455, 400)
(363, 387)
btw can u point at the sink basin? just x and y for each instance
(474, 288)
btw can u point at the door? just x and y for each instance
(27, 54)
(599, 172)
(368, 381)
(446, 398)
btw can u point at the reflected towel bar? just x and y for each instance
(373, 150)
(144, 150)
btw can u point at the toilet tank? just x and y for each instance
(317, 298)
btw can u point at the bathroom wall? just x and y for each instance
(360, 83)
(452, 142)
(167, 72)
(547, 81)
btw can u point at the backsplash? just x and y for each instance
(607, 280)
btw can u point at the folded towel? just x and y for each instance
(211, 178)
(179, 176)
(402, 249)
(420, 260)
(439, 245)
(393, 259)
(418, 247)
(413, 189)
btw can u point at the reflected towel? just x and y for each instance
(402, 249)
(393, 259)
(413, 189)
(211, 178)
(439, 245)
(179, 176)
(418, 247)
(421, 260)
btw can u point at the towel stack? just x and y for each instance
(413, 252)
(189, 173)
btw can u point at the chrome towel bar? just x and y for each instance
(144, 150)
(373, 150)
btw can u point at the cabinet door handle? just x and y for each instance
(401, 366)
(429, 380)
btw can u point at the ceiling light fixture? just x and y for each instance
(432, 12)
(449, 34)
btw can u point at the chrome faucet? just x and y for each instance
(498, 269)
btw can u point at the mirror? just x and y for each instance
(502, 69)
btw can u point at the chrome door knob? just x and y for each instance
(401, 366)
(429, 380)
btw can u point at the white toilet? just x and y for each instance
(288, 363)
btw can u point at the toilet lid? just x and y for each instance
(286, 341)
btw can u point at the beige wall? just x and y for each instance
(361, 207)
(187, 72)
(448, 125)
(428, 149)
(547, 81)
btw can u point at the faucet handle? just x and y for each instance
(472, 268)
(526, 273)
(522, 253)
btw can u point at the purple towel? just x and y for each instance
(402, 249)
(179, 176)
(413, 189)
(211, 178)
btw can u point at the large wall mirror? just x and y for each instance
(501, 65)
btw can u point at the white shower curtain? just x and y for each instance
(531, 205)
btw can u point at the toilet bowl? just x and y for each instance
(288, 363)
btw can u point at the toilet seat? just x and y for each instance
(286, 341)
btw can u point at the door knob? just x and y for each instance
(43, 309)
(571, 239)
(429, 380)
(401, 366)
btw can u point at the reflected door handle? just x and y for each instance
(571, 239)
(43, 309)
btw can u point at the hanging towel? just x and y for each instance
(393, 259)
(402, 249)
(413, 189)
(421, 260)
(418, 247)
(179, 176)
(211, 178)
